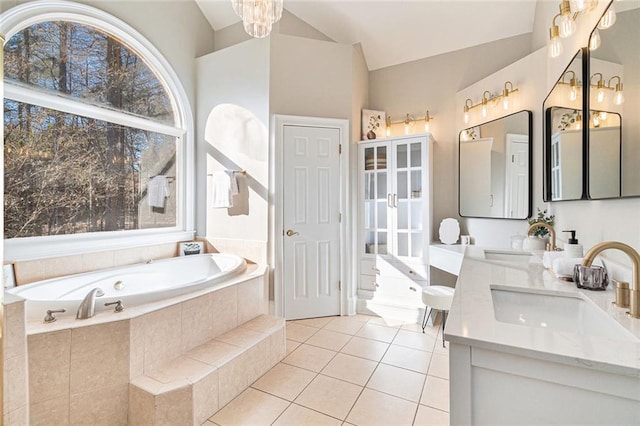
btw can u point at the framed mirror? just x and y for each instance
(613, 139)
(495, 168)
(564, 137)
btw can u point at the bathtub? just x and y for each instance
(133, 285)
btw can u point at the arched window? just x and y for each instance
(96, 127)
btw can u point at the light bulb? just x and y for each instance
(555, 48)
(567, 26)
(466, 117)
(406, 129)
(505, 103)
(603, 115)
(573, 93)
(388, 131)
(618, 99)
(594, 41)
(578, 5)
(426, 127)
(608, 19)
(596, 120)
(600, 95)
(484, 111)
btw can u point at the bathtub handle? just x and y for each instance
(50, 318)
(119, 307)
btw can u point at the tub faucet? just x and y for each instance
(552, 245)
(634, 305)
(88, 306)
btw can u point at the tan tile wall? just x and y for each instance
(15, 366)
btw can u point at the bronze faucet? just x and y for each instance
(634, 305)
(552, 245)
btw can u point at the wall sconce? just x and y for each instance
(618, 98)
(573, 85)
(578, 120)
(599, 87)
(564, 23)
(388, 126)
(486, 97)
(567, 23)
(467, 105)
(408, 124)
(555, 46)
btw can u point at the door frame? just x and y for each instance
(276, 175)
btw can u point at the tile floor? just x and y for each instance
(357, 370)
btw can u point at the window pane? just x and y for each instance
(66, 174)
(82, 62)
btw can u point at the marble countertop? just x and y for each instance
(471, 320)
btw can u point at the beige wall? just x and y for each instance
(431, 84)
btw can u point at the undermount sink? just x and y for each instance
(508, 256)
(569, 312)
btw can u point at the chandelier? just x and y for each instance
(258, 16)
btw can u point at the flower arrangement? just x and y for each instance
(541, 218)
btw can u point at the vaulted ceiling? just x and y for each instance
(396, 31)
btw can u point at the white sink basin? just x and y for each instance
(556, 312)
(508, 256)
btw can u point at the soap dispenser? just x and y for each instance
(572, 248)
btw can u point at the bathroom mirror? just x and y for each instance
(495, 168)
(563, 123)
(614, 141)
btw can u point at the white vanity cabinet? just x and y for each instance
(394, 217)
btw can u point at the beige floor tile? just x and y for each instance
(438, 349)
(387, 322)
(315, 322)
(329, 340)
(299, 332)
(251, 407)
(346, 325)
(292, 345)
(376, 408)
(414, 340)
(439, 366)
(436, 393)
(397, 382)
(362, 317)
(329, 396)
(411, 359)
(365, 348)
(310, 357)
(284, 381)
(297, 415)
(350, 368)
(378, 332)
(428, 416)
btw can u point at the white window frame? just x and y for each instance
(29, 248)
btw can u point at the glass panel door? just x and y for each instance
(407, 199)
(376, 199)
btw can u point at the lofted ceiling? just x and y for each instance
(396, 31)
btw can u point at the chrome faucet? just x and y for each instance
(552, 245)
(88, 306)
(634, 305)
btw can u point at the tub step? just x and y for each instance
(194, 386)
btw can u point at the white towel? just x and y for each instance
(158, 191)
(221, 190)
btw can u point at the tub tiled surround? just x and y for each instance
(35, 270)
(15, 363)
(81, 375)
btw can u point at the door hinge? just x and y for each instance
(339, 148)
(339, 217)
(339, 285)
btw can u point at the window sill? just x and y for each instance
(33, 248)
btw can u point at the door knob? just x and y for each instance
(290, 233)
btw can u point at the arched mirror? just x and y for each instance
(613, 137)
(495, 168)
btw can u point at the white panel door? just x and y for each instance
(517, 177)
(311, 222)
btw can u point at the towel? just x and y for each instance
(233, 182)
(221, 190)
(549, 256)
(158, 191)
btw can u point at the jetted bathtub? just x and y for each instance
(134, 284)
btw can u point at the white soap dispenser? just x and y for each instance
(572, 248)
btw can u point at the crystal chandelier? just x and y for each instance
(258, 16)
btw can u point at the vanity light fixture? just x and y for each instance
(618, 97)
(599, 87)
(258, 16)
(573, 85)
(564, 23)
(567, 23)
(505, 95)
(555, 46)
(608, 19)
(467, 105)
(427, 120)
(409, 121)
